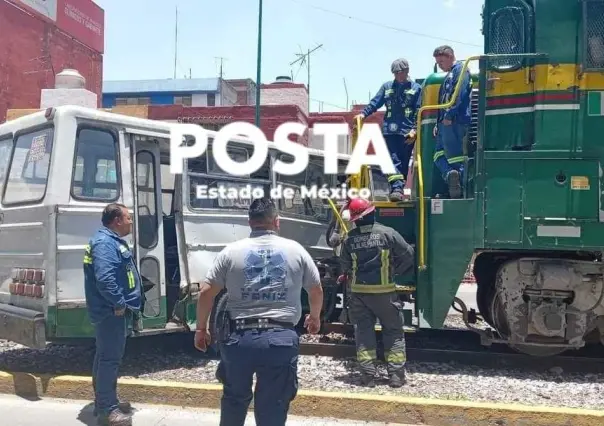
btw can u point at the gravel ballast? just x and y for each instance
(435, 380)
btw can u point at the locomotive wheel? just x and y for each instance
(498, 315)
(542, 351)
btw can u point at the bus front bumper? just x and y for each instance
(22, 326)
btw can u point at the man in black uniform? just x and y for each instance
(371, 255)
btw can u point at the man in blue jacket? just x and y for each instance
(402, 97)
(452, 123)
(113, 297)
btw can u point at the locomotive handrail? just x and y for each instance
(418, 162)
(336, 212)
(418, 146)
(355, 179)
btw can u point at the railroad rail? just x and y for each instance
(452, 346)
(492, 359)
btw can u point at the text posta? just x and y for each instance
(370, 134)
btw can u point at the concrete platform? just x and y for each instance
(350, 406)
(17, 411)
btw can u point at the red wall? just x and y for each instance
(271, 116)
(32, 51)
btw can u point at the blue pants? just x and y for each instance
(110, 347)
(448, 154)
(273, 355)
(400, 152)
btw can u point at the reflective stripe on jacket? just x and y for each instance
(461, 110)
(372, 255)
(111, 279)
(402, 101)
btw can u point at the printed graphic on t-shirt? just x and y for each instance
(265, 273)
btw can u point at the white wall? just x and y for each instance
(285, 96)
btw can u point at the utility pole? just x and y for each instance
(305, 58)
(258, 63)
(221, 59)
(175, 43)
(346, 90)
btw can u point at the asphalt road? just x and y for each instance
(16, 411)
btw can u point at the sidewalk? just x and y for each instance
(17, 411)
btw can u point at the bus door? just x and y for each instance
(148, 226)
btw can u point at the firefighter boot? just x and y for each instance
(115, 418)
(368, 380)
(396, 195)
(454, 182)
(398, 379)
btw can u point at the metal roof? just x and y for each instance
(163, 85)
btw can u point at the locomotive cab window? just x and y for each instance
(593, 35)
(507, 36)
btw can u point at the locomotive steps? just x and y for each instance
(353, 406)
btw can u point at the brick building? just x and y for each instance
(40, 39)
(281, 101)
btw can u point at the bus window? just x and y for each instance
(28, 171)
(147, 201)
(167, 189)
(313, 176)
(6, 146)
(205, 184)
(342, 176)
(95, 171)
(380, 187)
(238, 154)
(316, 177)
(296, 205)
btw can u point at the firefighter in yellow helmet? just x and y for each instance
(371, 255)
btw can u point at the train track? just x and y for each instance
(463, 347)
(492, 359)
(429, 346)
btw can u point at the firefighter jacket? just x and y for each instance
(461, 111)
(402, 101)
(111, 280)
(372, 254)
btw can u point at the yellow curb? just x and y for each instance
(353, 406)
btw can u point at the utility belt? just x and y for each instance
(258, 323)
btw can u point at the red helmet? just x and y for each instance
(359, 207)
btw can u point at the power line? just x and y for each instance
(377, 24)
(328, 104)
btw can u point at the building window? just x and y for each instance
(211, 99)
(183, 100)
(133, 101)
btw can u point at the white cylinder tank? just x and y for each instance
(69, 79)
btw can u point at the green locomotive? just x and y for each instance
(532, 209)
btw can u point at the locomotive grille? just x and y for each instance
(594, 35)
(473, 131)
